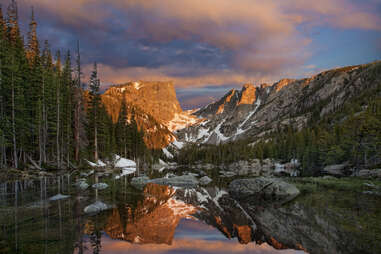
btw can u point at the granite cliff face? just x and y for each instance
(157, 99)
(157, 110)
(254, 111)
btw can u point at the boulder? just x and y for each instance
(227, 174)
(370, 173)
(205, 180)
(336, 170)
(262, 188)
(246, 167)
(365, 173)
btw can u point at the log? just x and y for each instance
(34, 163)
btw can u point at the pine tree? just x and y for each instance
(95, 101)
(3, 118)
(58, 78)
(67, 102)
(33, 49)
(79, 118)
(13, 25)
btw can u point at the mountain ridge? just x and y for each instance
(286, 102)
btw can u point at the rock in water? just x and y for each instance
(262, 189)
(59, 196)
(186, 181)
(100, 186)
(205, 180)
(336, 170)
(96, 207)
(82, 185)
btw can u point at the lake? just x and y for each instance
(161, 219)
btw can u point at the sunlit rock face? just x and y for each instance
(247, 95)
(157, 111)
(157, 99)
(154, 220)
(153, 103)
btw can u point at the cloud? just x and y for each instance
(112, 75)
(198, 42)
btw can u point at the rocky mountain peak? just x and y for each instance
(157, 111)
(155, 98)
(247, 94)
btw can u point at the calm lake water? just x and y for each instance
(159, 219)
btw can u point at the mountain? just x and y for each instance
(157, 111)
(252, 112)
(154, 220)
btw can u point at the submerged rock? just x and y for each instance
(187, 181)
(100, 186)
(262, 188)
(59, 196)
(82, 185)
(96, 207)
(205, 180)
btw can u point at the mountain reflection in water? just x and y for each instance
(164, 224)
(191, 236)
(162, 219)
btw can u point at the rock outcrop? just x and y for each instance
(156, 109)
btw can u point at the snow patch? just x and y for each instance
(98, 164)
(180, 208)
(124, 163)
(239, 129)
(137, 85)
(167, 153)
(128, 171)
(220, 136)
(178, 144)
(182, 120)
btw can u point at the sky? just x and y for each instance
(207, 47)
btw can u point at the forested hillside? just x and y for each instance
(50, 116)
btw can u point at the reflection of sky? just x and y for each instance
(191, 237)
